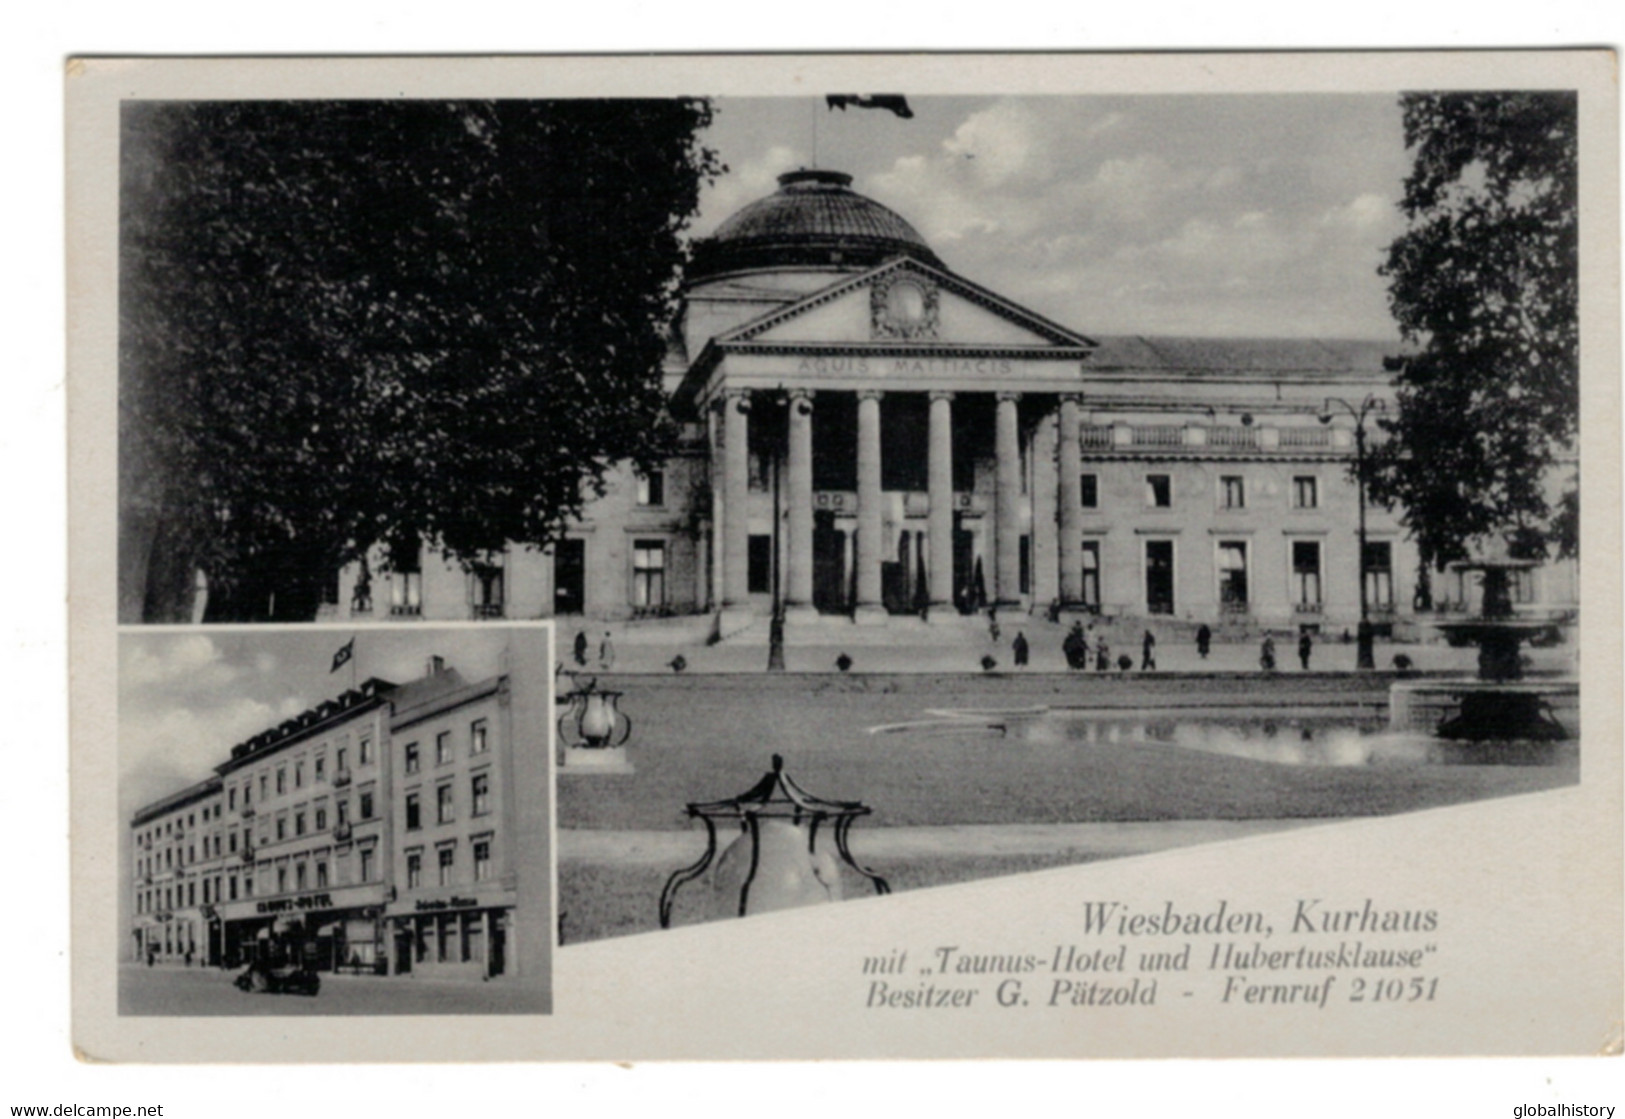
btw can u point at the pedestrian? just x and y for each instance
(1019, 647)
(1075, 647)
(1103, 655)
(1306, 646)
(1148, 652)
(606, 653)
(581, 648)
(1054, 611)
(1204, 640)
(1266, 654)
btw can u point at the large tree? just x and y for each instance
(1484, 284)
(350, 322)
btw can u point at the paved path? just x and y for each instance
(210, 992)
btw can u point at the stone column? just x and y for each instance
(1007, 530)
(735, 495)
(799, 592)
(869, 550)
(940, 480)
(1071, 502)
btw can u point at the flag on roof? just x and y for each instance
(343, 656)
(894, 102)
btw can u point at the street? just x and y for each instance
(209, 992)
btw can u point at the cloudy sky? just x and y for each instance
(186, 698)
(1199, 215)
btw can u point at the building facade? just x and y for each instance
(317, 824)
(870, 434)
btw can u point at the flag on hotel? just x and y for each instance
(895, 102)
(342, 657)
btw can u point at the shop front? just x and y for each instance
(462, 934)
(336, 930)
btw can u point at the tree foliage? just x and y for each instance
(350, 322)
(1484, 284)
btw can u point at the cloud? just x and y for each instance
(194, 659)
(167, 748)
(748, 180)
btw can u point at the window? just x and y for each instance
(1089, 491)
(282, 826)
(652, 488)
(321, 874)
(299, 876)
(321, 817)
(445, 812)
(339, 757)
(231, 798)
(232, 843)
(481, 789)
(366, 805)
(760, 556)
(265, 788)
(281, 879)
(448, 863)
(1091, 575)
(482, 860)
(298, 775)
(1378, 565)
(476, 737)
(281, 781)
(298, 823)
(406, 578)
(411, 756)
(231, 888)
(414, 869)
(1305, 492)
(649, 570)
(485, 587)
(414, 813)
(343, 807)
(1306, 574)
(321, 767)
(369, 860)
(1232, 492)
(1159, 491)
(364, 752)
(442, 747)
(1233, 576)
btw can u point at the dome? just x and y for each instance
(814, 220)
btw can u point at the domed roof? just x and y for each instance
(815, 219)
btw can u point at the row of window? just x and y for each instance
(1230, 494)
(301, 874)
(444, 750)
(175, 827)
(291, 778)
(479, 789)
(445, 862)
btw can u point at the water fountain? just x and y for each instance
(1499, 705)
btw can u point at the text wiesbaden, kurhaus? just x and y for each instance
(868, 433)
(382, 821)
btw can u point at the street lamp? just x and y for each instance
(1372, 403)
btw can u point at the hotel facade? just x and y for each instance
(868, 434)
(379, 823)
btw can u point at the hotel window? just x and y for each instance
(298, 775)
(231, 798)
(482, 860)
(282, 826)
(1089, 491)
(298, 823)
(442, 747)
(481, 787)
(406, 578)
(321, 874)
(366, 805)
(448, 863)
(248, 885)
(342, 805)
(364, 752)
(1159, 491)
(232, 842)
(652, 488)
(1305, 492)
(485, 587)
(339, 757)
(321, 767)
(411, 756)
(1306, 573)
(191, 893)
(231, 888)
(369, 859)
(281, 781)
(1091, 575)
(444, 812)
(1233, 576)
(265, 787)
(1378, 565)
(414, 813)
(1232, 492)
(476, 736)
(321, 817)
(649, 572)
(281, 879)
(414, 869)
(299, 876)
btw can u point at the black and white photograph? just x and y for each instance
(335, 823)
(939, 500)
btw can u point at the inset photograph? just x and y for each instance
(336, 822)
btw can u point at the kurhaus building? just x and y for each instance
(870, 434)
(380, 822)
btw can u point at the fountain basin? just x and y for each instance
(1435, 706)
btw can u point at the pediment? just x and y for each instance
(905, 302)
